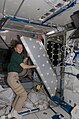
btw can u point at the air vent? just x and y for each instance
(47, 14)
(59, 5)
(52, 10)
(42, 17)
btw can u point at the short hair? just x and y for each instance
(77, 76)
(14, 43)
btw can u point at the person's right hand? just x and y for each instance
(25, 59)
(35, 66)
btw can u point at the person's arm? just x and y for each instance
(25, 66)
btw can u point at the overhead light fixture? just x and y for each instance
(4, 31)
(51, 32)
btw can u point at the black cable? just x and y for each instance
(2, 22)
(32, 102)
(4, 42)
(53, 109)
(19, 8)
(37, 116)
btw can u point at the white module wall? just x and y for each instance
(71, 86)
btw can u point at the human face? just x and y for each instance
(19, 48)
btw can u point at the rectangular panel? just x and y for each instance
(38, 55)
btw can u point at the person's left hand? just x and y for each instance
(25, 59)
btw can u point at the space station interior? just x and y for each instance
(53, 87)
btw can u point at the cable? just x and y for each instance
(37, 116)
(19, 8)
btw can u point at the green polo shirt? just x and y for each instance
(14, 65)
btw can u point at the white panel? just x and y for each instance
(64, 17)
(11, 6)
(71, 86)
(34, 9)
(70, 81)
(71, 97)
(46, 114)
(39, 57)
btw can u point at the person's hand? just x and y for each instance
(35, 66)
(25, 59)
